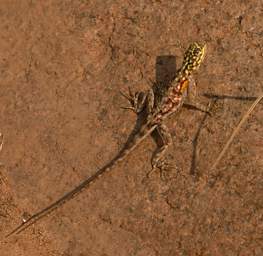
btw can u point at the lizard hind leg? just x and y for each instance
(158, 160)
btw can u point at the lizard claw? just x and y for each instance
(130, 97)
(130, 108)
(163, 166)
(136, 100)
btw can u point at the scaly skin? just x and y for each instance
(159, 102)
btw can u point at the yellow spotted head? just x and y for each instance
(193, 58)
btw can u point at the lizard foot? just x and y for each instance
(163, 167)
(137, 100)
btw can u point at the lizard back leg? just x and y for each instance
(158, 161)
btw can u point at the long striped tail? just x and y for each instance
(138, 138)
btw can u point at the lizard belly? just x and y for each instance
(173, 101)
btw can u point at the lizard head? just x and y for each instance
(193, 58)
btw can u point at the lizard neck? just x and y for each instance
(183, 73)
(181, 81)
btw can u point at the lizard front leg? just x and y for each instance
(191, 95)
(140, 100)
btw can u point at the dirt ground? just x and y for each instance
(62, 66)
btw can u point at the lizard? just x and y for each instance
(159, 102)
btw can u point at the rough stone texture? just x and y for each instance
(62, 65)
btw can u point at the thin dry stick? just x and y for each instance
(2, 141)
(244, 118)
